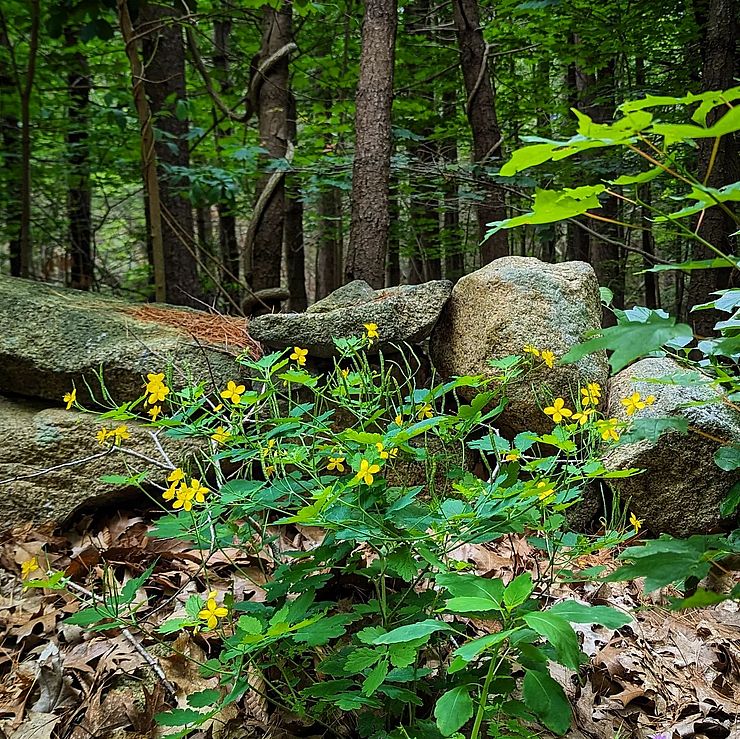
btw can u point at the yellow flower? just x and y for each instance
(29, 566)
(120, 433)
(635, 522)
(299, 355)
(545, 489)
(398, 420)
(512, 456)
(367, 471)
(269, 470)
(174, 478)
(218, 408)
(372, 331)
(345, 372)
(102, 435)
(649, 400)
(69, 398)
(633, 403)
(154, 381)
(425, 412)
(212, 611)
(608, 429)
(529, 349)
(548, 358)
(558, 411)
(385, 454)
(183, 498)
(233, 392)
(591, 394)
(335, 463)
(270, 446)
(157, 394)
(582, 416)
(220, 435)
(198, 490)
(154, 411)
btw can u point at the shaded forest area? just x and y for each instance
(245, 156)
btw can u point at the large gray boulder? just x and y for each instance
(42, 477)
(52, 338)
(404, 314)
(681, 487)
(509, 304)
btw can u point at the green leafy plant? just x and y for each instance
(371, 628)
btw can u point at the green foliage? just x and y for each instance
(378, 464)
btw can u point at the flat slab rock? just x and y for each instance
(680, 488)
(52, 338)
(36, 438)
(404, 314)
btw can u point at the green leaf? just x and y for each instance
(180, 717)
(631, 340)
(326, 628)
(473, 586)
(727, 458)
(518, 590)
(467, 604)
(87, 617)
(376, 677)
(473, 648)
(653, 428)
(579, 613)
(559, 633)
(716, 263)
(550, 206)
(731, 502)
(544, 697)
(204, 698)
(360, 659)
(453, 710)
(411, 632)
(402, 655)
(637, 179)
(128, 591)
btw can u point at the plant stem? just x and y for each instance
(483, 700)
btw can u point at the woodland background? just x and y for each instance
(235, 154)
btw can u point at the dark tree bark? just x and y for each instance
(265, 253)
(329, 236)
(370, 217)
(452, 242)
(11, 159)
(295, 256)
(228, 244)
(164, 75)
(481, 112)
(426, 263)
(719, 68)
(79, 194)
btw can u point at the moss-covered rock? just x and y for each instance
(52, 338)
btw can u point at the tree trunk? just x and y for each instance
(164, 82)
(715, 225)
(295, 256)
(329, 237)
(370, 217)
(228, 244)
(26, 90)
(452, 240)
(481, 112)
(11, 159)
(79, 195)
(265, 253)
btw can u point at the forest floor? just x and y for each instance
(674, 675)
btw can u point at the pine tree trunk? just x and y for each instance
(715, 225)
(79, 195)
(481, 112)
(11, 160)
(295, 256)
(265, 257)
(329, 237)
(370, 217)
(164, 82)
(228, 244)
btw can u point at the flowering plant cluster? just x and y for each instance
(383, 468)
